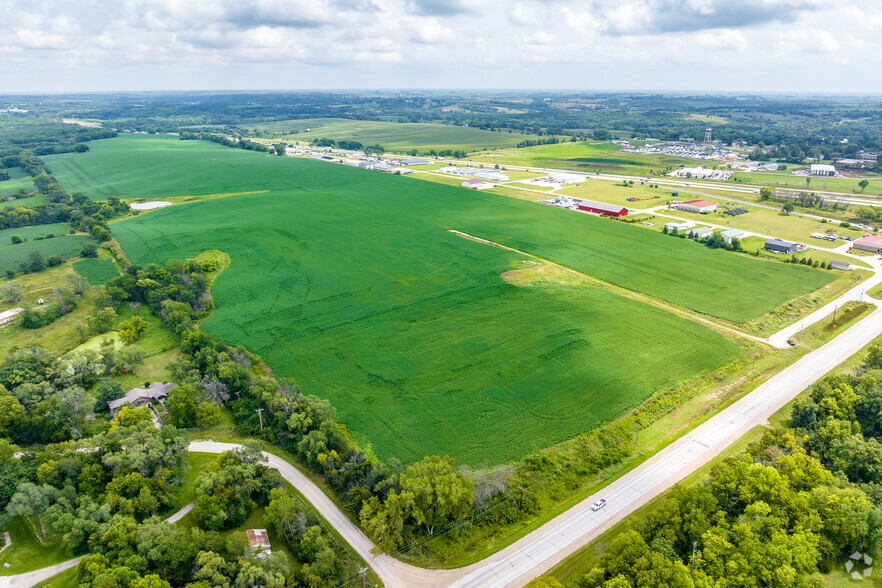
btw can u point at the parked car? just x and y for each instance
(599, 504)
(791, 342)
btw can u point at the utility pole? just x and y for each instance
(755, 352)
(363, 573)
(637, 437)
(259, 412)
(521, 503)
(835, 308)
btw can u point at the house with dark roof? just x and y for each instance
(156, 392)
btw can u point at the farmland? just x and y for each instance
(408, 329)
(586, 157)
(395, 136)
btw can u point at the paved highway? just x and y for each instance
(537, 552)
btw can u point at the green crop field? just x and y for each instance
(396, 136)
(585, 157)
(96, 271)
(66, 246)
(349, 281)
(15, 173)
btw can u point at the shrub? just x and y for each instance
(89, 250)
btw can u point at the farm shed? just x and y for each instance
(841, 264)
(677, 226)
(472, 183)
(414, 161)
(492, 176)
(699, 206)
(818, 169)
(780, 246)
(871, 243)
(730, 234)
(459, 171)
(603, 208)
(699, 232)
(7, 316)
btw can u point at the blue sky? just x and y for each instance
(705, 45)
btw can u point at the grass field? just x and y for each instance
(12, 186)
(586, 156)
(28, 551)
(96, 271)
(394, 136)
(67, 246)
(28, 233)
(787, 180)
(409, 330)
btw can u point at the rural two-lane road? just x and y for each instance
(540, 550)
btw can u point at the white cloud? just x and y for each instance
(806, 41)
(159, 44)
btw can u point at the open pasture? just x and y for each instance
(395, 136)
(28, 233)
(11, 186)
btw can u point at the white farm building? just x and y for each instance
(699, 206)
(818, 169)
(492, 176)
(565, 178)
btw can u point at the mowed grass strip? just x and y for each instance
(409, 329)
(96, 271)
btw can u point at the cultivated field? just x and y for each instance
(29, 233)
(12, 186)
(586, 156)
(349, 281)
(395, 136)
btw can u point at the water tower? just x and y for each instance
(707, 135)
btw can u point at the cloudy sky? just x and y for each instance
(725, 45)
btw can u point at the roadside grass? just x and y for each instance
(875, 292)
(823, 184)
(583, 560)
(825, 329)
(96, 271)
(395, 137)
(794, 310)
(617, 193)
(28, 551)
(66, 579)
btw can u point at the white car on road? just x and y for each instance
(599, 504)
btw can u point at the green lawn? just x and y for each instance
(349, 281)
(96, 271)
(28, 552)
(400, 137)
(66, 246)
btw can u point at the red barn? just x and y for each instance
(603, 208)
